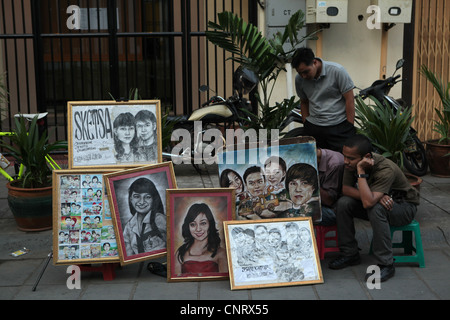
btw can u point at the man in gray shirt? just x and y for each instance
(327, 99)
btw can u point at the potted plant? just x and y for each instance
(388, 132)
(266, 57)
(438, 150)
(30, 194)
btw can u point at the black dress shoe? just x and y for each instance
(344, 261)
(386, 272)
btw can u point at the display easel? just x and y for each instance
(49, 257)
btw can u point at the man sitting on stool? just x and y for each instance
(375, 189)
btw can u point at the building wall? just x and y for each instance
(354, 46)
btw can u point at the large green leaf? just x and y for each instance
(266, 57)
(30, 148)
(442, 126)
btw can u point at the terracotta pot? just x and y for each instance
(414, 180)
(32, 208)
(438, 162)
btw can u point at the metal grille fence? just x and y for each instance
(54, 51)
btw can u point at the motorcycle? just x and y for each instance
(216, 113)
(414, 155)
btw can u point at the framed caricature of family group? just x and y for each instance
(119, 202)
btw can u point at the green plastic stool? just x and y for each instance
(407, 244)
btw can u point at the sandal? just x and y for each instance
(157, 268)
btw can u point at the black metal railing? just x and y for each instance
(156, 46)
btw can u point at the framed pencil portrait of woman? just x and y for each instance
(114, 134)
(196, 243)
(138, 207)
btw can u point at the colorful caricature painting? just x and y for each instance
(83, 228)
(274, 182)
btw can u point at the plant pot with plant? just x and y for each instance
(438, 150)
(30, 192)
(388, 132)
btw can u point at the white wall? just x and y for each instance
(354, 46)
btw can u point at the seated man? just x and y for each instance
(375, 189)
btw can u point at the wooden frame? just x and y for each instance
(100, 133)
(261, 193)
(140, 189)
(76, 198)
(195, 216)
(282, 252)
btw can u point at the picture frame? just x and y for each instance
(283, 252)
(138, 209)
(277, 181)
(101, 134)
(83, 231)
(195, 220)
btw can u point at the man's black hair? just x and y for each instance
(361, 142)
(303, 55)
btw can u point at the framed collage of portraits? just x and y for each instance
(83, 231)
(137, 193)
(271, 253)
(196, 243)
(111, 134)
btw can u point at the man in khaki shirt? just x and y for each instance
(375, 189)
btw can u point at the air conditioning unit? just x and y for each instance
(331, 11)
(394, 11)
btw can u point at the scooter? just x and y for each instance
(414, 156)
(216, 113)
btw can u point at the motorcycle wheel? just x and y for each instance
(415, 159)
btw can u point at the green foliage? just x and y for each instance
(266, 57)
(388, 132)
(31, 150)
(441, 126)
(272, 117)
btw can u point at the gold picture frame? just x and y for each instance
(101, 134)
(272, 253)
(194, 220)
(83, 231)
(138, 210)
